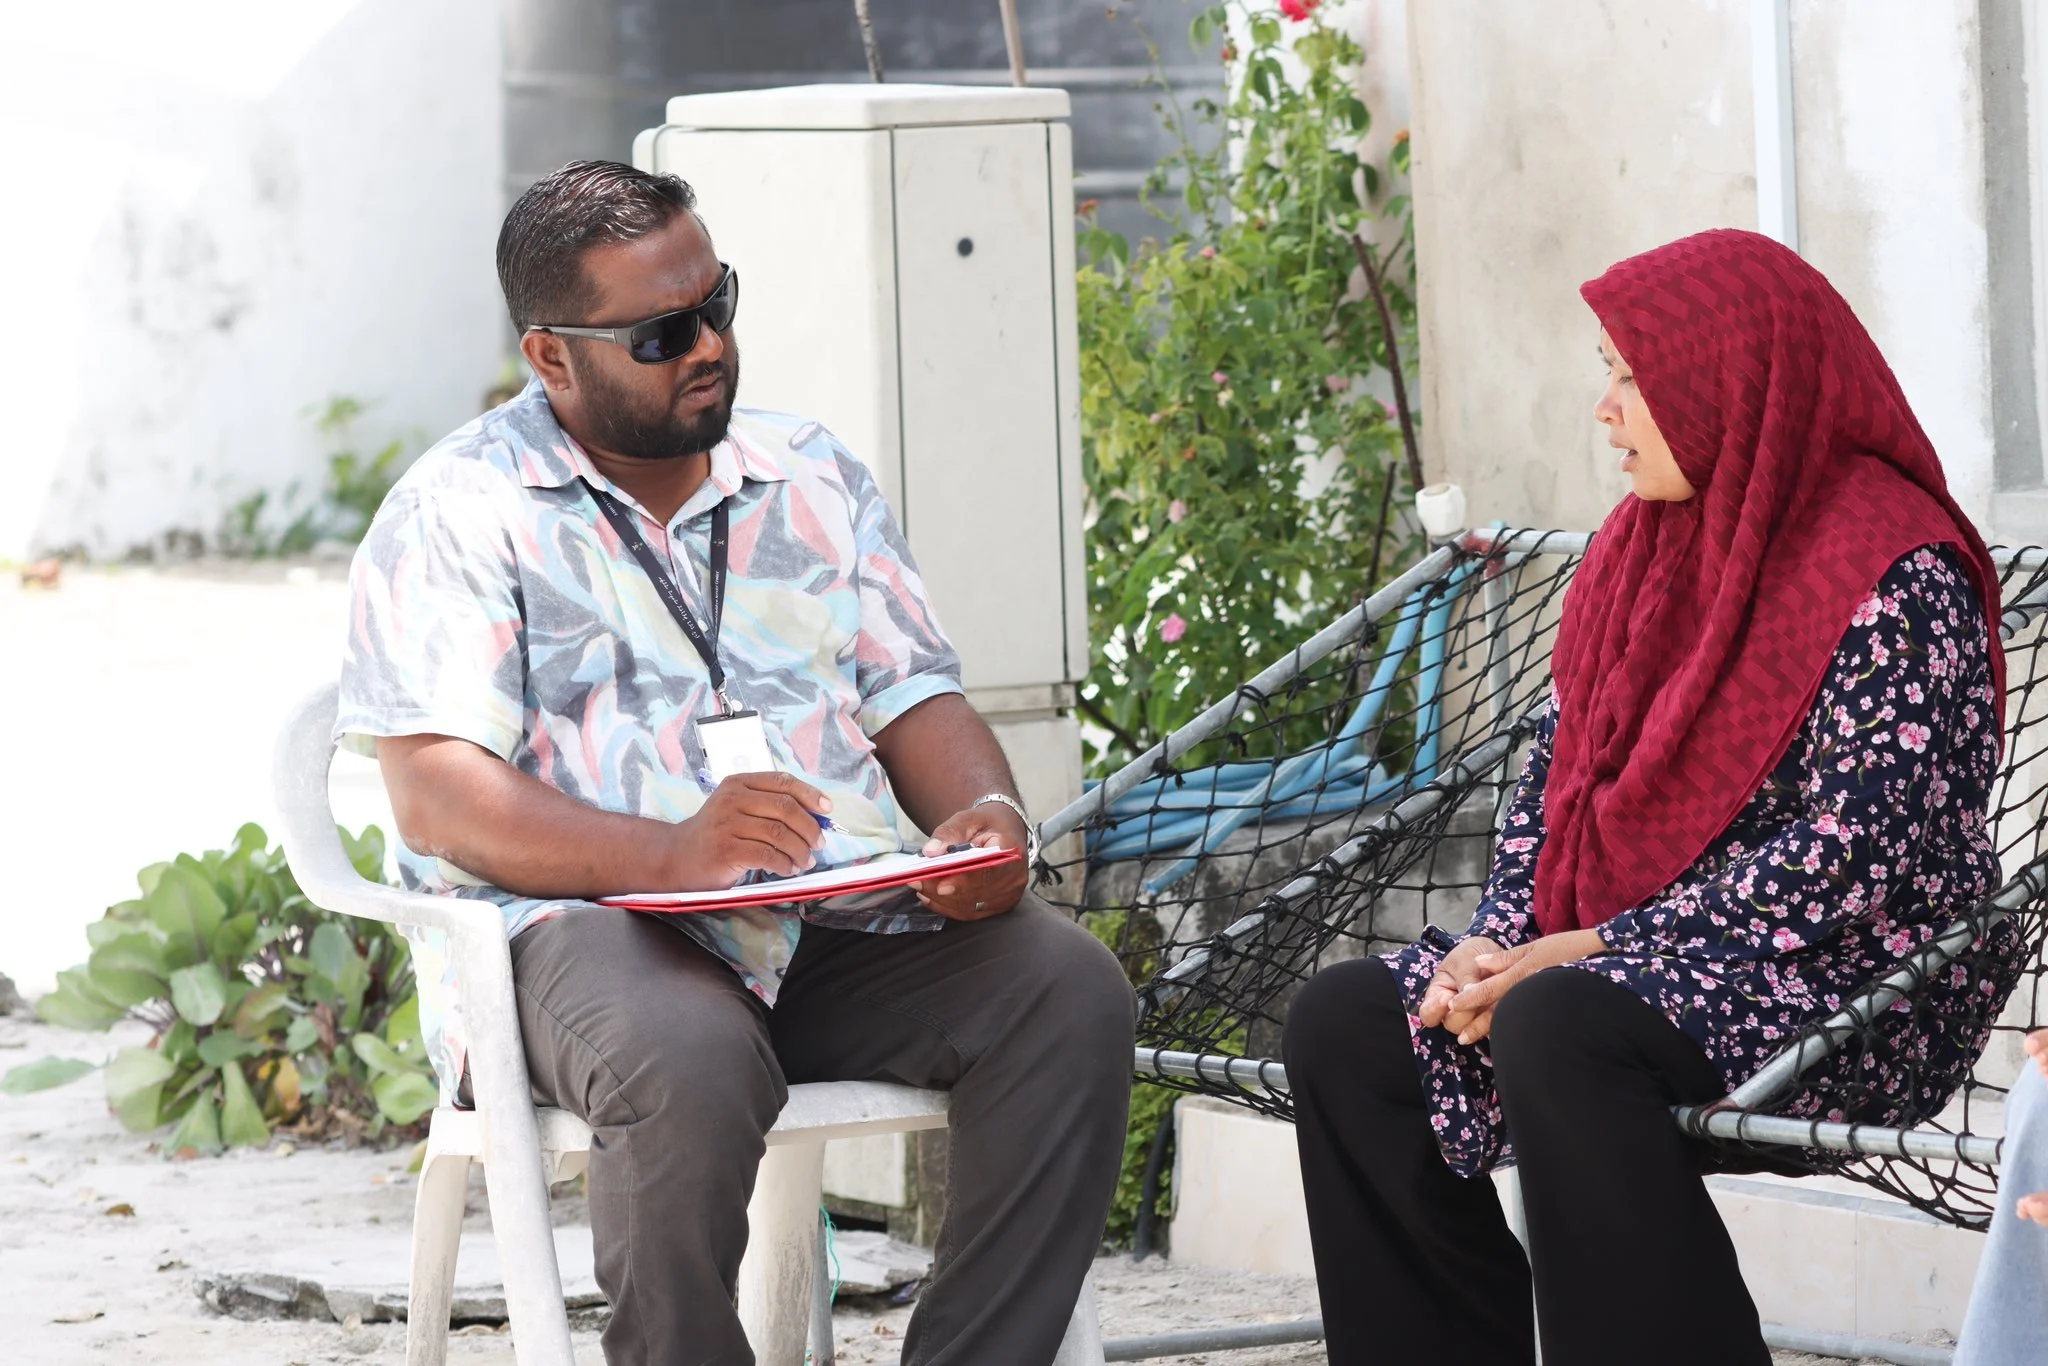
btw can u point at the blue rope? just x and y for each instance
(1192, 813)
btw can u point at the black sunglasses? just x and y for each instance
(666, 336)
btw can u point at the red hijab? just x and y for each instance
(1696, 634)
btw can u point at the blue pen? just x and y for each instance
(708, 787)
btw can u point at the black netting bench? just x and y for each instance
(1345, 797)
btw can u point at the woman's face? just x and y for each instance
(1646, 459)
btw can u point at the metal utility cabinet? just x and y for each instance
(906, 262)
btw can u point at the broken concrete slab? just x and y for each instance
(364, 1275)
(875, 1264)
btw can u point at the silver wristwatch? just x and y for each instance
(1030, 830)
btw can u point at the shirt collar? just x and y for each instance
(550, 458)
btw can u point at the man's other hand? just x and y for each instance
(753, 821)
(984, 892)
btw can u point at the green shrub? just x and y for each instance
(1241, 473)
(355, 489)
(356, 483)
(267, 1011)
(1151, 1107)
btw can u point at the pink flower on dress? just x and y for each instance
(1784, 941)
(1914, 737)
(1176, 511)
(1518, 845)
(1173, 628)
(1867, 610)
(1826, 824)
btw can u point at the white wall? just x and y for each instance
(1889, 125)
(220, 213)
(1555, 139)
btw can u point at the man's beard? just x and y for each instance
(615, 425)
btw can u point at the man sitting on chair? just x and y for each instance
(615, 636)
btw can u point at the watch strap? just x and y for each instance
(1030, 830)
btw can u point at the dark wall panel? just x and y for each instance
(583, 76)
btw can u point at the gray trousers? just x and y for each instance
(679, 1070)
(2007, 1322)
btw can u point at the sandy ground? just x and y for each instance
(143, 705)
(103, 1242)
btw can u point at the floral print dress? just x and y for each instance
(1868, 837)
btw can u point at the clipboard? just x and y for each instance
(876, 875)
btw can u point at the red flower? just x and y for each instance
(1298, 10)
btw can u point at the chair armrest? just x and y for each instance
(305, 751)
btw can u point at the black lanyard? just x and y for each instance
(621, 518)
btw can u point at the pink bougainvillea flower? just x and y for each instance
(1173, 628)
(1207, 253)
(1220, 377)
(1298, 10)
(1176, 511)
(1336, 384)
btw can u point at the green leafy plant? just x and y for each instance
(355, 489)
(266, 1011)
(1243, 474)
(1151, 1110)
(356, 483)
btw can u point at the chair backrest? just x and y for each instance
(299, 781)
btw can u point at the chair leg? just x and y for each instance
(515, 1171)
(436, 1237)
(1508, 1182)
(782, 1248)
(1082, 1346)
(823, 1348)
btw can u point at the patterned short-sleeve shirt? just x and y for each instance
(492, 602)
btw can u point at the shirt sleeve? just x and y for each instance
(901, 656)
(1506, 908)
(1908, 685)
(435, 639)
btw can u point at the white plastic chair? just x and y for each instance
(782, 1284)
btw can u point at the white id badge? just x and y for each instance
(734, 744)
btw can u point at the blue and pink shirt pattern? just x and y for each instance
(492, 602)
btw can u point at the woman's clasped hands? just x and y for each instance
(1473, 977)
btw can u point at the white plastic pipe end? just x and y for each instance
(1441, 508)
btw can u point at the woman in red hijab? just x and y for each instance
(1763, 780)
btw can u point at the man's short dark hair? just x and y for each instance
(564, 214)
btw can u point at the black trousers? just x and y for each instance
(1414, 1263)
